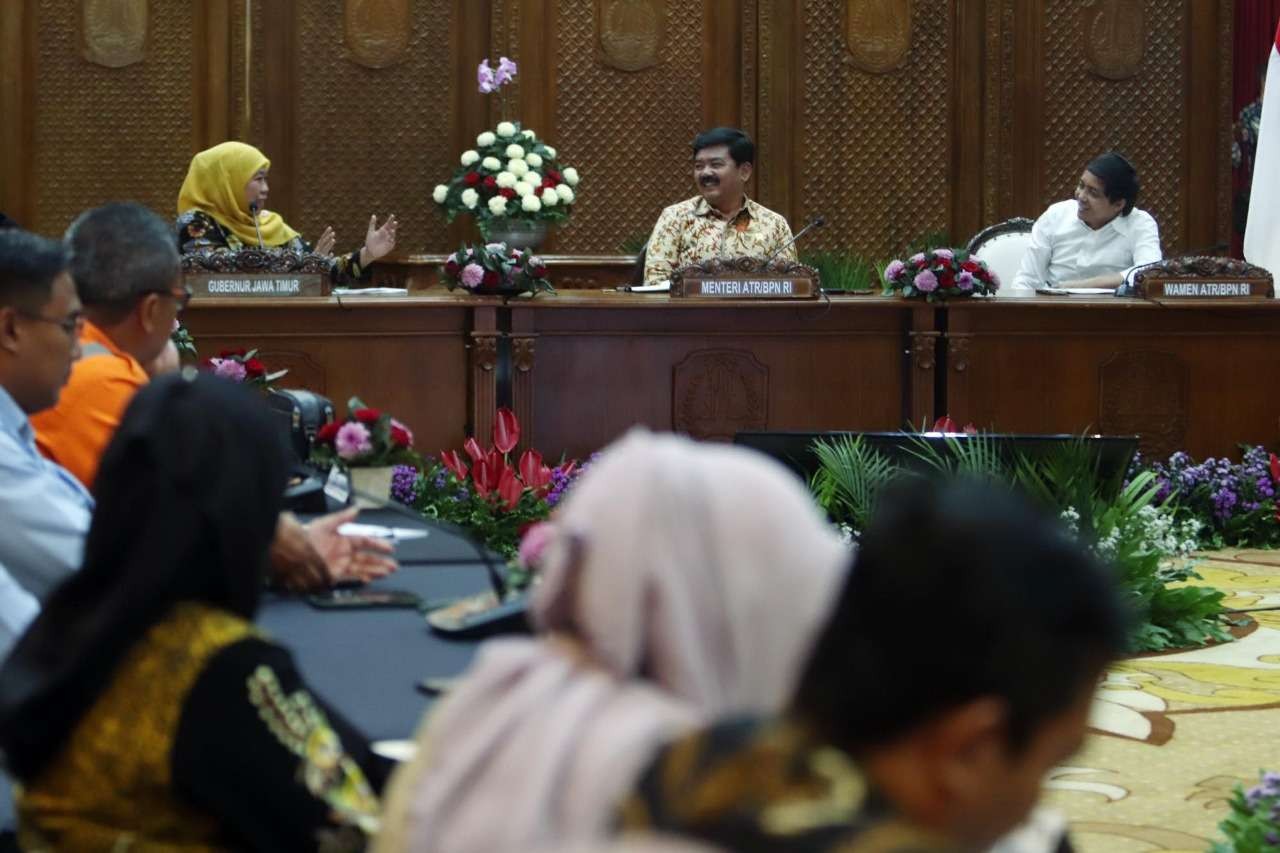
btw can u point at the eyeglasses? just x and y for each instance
(72, 325)
(183, 297)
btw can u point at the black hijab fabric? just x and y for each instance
(188, 495)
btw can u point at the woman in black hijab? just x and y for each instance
(142, 706)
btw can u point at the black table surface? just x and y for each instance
(367, 663)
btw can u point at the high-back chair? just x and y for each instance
(1001, 247)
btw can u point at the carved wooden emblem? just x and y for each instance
(377, 31)
(631, 32)
(878, 33)
(718, 393)
(1145, 393)
(1115, 37)
(114, 32)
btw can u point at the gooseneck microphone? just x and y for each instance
(253, 211)
(818, 222)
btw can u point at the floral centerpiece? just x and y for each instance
(494, 268)
(368, 444)
(940, 274)
(1253, 826)
(493, 496)
(512, 182)
(243, 366)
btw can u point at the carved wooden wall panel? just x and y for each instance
(113, 33)
(1142, 116)
(876, 147)
(628, 133)
(372, 140)
(103, 134)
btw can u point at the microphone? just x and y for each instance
(1127, 288)
(817, 222)
(253, 211)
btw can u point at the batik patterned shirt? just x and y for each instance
(693, 231)
(757, 785)
(200, 232)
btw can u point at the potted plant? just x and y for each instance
(512, 183)
(368, 444)
(940, 274)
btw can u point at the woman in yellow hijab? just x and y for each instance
(222, 207)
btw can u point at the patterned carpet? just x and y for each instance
(1175, 732)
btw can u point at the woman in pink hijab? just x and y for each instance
(681, 582)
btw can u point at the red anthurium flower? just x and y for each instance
(945, 424)
(969, 266)
(473, 449)
(534, 474)
(509, 487)
(480, 476)
(451, 460)
(366, 416)
(1275, 468)
(327, 433)
(495, 466)
(506, 430)
(253, 368)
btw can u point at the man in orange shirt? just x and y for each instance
(124, 259)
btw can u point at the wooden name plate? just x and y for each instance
(1204, 278)
(270, 273)
(246, 284)
(745, 278)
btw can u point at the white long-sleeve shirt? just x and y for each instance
(1064, 249)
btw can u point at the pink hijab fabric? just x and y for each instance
(683, 582)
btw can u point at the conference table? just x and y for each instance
(582, 365)
(368, 662)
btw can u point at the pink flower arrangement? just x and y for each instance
(367, 438)
(940, 274)
(493, 268)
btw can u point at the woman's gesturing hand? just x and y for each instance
(324, 246)
(379, 241)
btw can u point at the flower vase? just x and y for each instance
(372, 486)
(526, 234)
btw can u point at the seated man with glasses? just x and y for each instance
(132, 293)
(45, 510)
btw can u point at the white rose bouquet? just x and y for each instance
(510, 174)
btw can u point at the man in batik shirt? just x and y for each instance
(719, 222)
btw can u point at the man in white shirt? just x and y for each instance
(1094, 239)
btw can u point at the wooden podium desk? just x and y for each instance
(588, 365)
(1195, 375)
(412, 356)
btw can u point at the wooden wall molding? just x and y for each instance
(17, 105)
(211, 120)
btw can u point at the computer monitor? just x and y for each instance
(1111, 453)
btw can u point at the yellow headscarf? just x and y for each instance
(215, 185)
